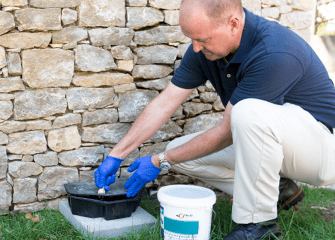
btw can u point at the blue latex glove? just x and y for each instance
(145, 172)
(105, 174)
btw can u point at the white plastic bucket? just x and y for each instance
(186, 212)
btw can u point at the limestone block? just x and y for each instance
(3, 140)
(25, 190)
(125, 65)
(176, 65)
(11, 84)
(38, 19)
(272, 12)
(218, 106)
(6, 110)
(86, 176)
(20, 169)
(296, 20)
(14, 64)
(27, 158)
(5, 197)
(64, 139)
(182, 48)
(14, 3)
(5, 72)
(13, 126)
(54, 204)
(69, 16)
(7, 22)
(51, 181)
(209, 86)
(30, 207)
(153, 149)
(69, 35)
(27, 142)
(131, 158)
(202, 123)
(3, 157)
(125, 88)
(102, 13)
(25, 40)
(122, 52)
(38, 125)
(46, 160)
(6, 97)
(172, 4)
(132, 103)
(304, 5)
(84, 156)
(70, 46)
(208, 96)
(171, 17)
(14, 157)
(54, 3)
(168, 131)
(304, 33)
(139, 17)
(93, 59)
(43, 68)
(160, 34)
(100, 117)
(274, 2)
(178, 114)
(101, 79)
(85, 98)
(34, 104)
(136, 3)
(159, 84)
(192, 108)
(151, 71)
(156, 54)
(67, 120)
(111, 36)
(255, 6)
(108, 133)
(3, 61)
(285, 9)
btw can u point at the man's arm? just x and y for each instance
(154, 115)
(202, 145)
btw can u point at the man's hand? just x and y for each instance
(145, 172)
(105, 174)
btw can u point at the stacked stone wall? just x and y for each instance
(74, 76)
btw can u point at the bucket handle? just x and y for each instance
(214, 214)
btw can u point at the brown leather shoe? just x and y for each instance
(289, 195)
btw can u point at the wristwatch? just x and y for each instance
(163, 164)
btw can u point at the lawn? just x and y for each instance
(314, 220)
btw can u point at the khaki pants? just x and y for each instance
(270, 141)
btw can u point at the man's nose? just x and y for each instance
(196, 46)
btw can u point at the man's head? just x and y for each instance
(215, 26)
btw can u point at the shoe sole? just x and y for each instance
(297, 197)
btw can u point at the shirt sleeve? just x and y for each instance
(190, 73)
(269, 78)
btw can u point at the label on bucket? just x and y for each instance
(176, 229)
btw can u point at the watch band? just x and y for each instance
(163, 163)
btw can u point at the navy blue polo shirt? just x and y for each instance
(272, 63)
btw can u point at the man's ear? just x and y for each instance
(235, 24)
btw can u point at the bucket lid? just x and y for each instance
(181, 195)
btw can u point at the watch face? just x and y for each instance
(165, 166)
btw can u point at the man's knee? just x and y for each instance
(249, 112)
(181, 140)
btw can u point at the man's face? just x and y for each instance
(215, 41)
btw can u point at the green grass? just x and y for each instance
(308, 223)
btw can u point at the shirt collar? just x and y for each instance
(247, 39)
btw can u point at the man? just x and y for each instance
(277, 125)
